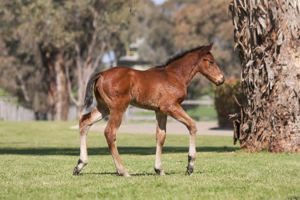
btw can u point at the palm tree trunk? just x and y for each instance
(267, 36)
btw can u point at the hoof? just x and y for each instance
(76, 171)
(124, 174)
(159, 172)
(189, 170)
(79, 167)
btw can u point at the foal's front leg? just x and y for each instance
(178, 113)
(161, 120)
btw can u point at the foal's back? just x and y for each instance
(146, 89)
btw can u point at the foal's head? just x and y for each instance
(208, 67)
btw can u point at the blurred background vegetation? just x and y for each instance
(50, 48)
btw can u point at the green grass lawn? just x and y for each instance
(37, 161)
(203, 111)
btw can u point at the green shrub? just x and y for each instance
(4, 93)
(225, 103)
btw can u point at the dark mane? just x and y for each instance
(180, 55)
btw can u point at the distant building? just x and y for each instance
(132, 58)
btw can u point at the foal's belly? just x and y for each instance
(144, 105)
(145, 99)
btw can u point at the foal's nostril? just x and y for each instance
(220, 81)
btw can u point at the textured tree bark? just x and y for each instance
(58, 91)
(267, 36)
(62, 105)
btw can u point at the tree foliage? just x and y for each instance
(50, 48)
(21, 69)
(61, 43)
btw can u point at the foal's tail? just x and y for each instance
(88, 99)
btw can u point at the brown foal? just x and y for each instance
(161, 89)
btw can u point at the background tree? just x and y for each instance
(157, 29)
(96, 26)
(62, 40)
(33, 37)
(50, 48)
(21, 66)
(267, 36)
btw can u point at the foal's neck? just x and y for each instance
(184, 69)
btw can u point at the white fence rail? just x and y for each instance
(12, 112)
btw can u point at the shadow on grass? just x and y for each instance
(116, 174)
(99, 173)
(221, 128)
(105, 150)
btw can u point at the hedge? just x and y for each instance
(225, 103)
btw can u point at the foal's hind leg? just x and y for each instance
(110, 132)
(161, 120)
(85, 122)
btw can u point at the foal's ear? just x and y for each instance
(207, 48)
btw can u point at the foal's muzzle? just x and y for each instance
(220, 81)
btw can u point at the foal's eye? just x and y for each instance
(211, 62)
